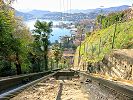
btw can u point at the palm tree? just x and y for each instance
(44, 29)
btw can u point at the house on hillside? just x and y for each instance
(129, 13)
(89, 25)
(69, 55)
(132, 9)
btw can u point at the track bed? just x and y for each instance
(53, 89)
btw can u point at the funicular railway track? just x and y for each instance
(11, 86)
(64, 85)
(120, 92)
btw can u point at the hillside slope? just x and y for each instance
(99, 43)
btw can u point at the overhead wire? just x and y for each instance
(70, 8)
(65, 9)
(61, 8)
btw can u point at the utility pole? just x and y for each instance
(60, 43)
(101, 16)
(80, 47)
(114, 32)
(99, 47)
(92, 49)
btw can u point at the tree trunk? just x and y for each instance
(18, 65)
(46, 62)
(46, 53)
(113, 42)
(38, 65)
(57, 64)
(51, 64)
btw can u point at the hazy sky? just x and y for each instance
(57, 5)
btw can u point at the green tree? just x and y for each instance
(44, 29)
(14, 41)
(6, 38)
(35, 56)
(57, 53)
(23, 37)
(110, 19)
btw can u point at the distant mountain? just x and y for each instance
(31, 14)
(25, 16)
(76, 15)
(97, 10)
(38, 13)
(112, 9)
(79, 11)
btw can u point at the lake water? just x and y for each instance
(57, 32)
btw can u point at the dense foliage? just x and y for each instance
(20, 51)
(43, 29)
(99, 43)
(14, 41)
(57, 53)
(106, 21)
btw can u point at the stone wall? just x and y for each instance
(99, 91)
(118, 64)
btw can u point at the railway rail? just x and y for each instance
(11, 86)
